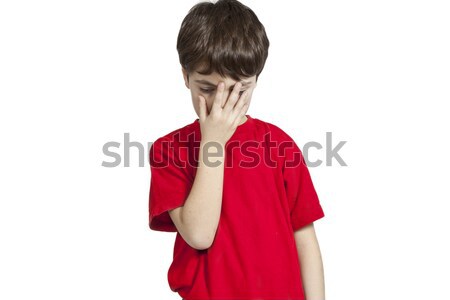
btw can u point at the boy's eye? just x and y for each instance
(209, 91)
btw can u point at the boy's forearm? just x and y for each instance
(201, 211)
(311, 270)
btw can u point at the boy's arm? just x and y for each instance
(198, 218)
(311, 262)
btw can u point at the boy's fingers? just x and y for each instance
(217, 104)
(202, 106)
(233, 98)
(242, 112)
(241, 102)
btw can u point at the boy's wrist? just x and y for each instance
(212, 153)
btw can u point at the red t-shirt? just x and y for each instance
(267, 198)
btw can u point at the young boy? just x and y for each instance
(236, 189)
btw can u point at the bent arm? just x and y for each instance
(197, 220)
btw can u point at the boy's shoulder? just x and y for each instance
(180, 134)
(276, 132)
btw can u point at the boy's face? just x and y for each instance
(206, 86)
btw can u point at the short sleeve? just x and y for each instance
(169, 185)
(304, 203)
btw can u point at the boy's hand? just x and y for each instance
(221, 122)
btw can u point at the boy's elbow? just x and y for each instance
(194, 237)
(200, 246)
(201, 242)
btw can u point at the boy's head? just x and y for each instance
(221, 41)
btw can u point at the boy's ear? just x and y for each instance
(185, 77)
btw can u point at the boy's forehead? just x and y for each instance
(214, 79)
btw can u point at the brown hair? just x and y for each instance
(226, 37)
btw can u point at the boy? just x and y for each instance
(236, 189)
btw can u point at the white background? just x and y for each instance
(75, 75)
